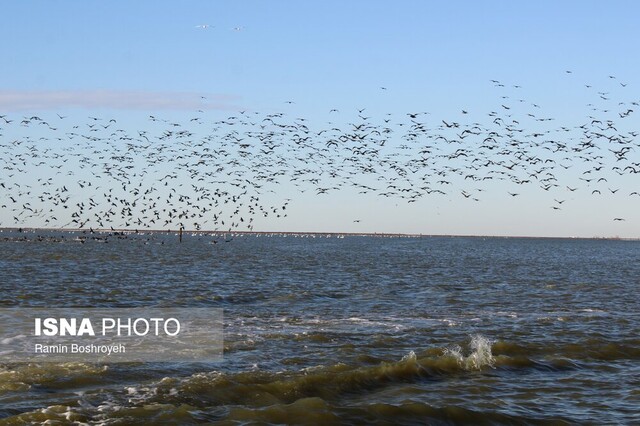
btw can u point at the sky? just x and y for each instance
(303, 59)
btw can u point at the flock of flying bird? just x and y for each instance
(220, 174)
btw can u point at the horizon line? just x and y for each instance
(299, 233)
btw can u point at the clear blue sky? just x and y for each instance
(91, 58)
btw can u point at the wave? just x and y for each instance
(306, 411)
(49, 375)
(328, 382)
(390, 392)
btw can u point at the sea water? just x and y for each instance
(353, 330)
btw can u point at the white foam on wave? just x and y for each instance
(410, 357)
(8, 340)
(448, 322)
(480, 355)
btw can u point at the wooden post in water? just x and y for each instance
(180, 234)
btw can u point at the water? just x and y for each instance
(343, 330)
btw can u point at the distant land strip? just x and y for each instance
(312, 234)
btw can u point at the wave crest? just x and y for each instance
(479, 356)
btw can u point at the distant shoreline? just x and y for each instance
(314, 234)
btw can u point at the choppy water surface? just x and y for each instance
(343, 330)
